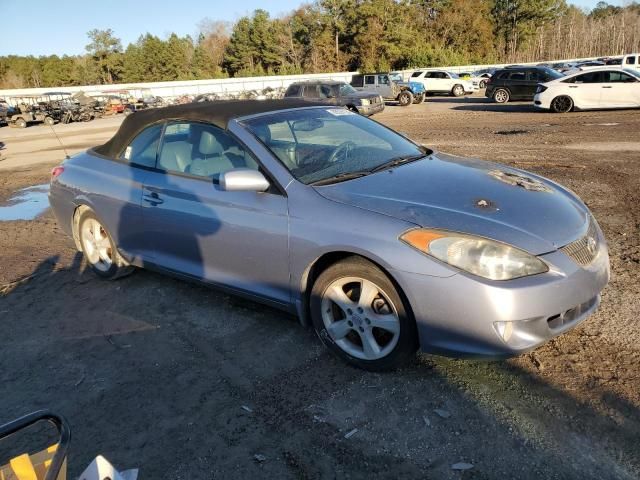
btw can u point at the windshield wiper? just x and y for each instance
(341, 177)
(394, 162)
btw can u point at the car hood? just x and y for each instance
(471, 196)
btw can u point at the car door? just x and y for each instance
(586, 89)
(619, 89)
(534, 77)
(383, 86)
(233, 238)
(118, 198)
(327, 94)
(370, 83)
(517, 84)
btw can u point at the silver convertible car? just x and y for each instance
(382, 245)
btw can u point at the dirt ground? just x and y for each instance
(185, 382)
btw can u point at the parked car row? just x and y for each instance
(588, 88)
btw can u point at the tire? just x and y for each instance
(482, 84)
(127, 111)
(501, 95)
(49, 121)
(457, 90)
(99, 249)
(355, 324)
(418, 99)
(20, 123)
(562, 104)
(405, 98)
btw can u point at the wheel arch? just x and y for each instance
(324, 261)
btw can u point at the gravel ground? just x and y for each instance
(186, 382)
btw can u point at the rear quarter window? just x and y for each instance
(293, 91)
(143, 148)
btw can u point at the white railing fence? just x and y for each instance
(223, 87)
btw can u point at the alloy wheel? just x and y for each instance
(96, 245)
(360, 318)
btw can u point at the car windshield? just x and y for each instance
(631, 72)
(331, 144)
(346, 89)
(396, 77)
(453, 75)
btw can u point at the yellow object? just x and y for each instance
(32, 467)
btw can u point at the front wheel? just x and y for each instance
(49, 121)
(418, 99)
(457, 91)
(359, 315)
(562, 104)
(20, 123)
(501, 96)
(482, 84)
(99, 249)
(405, 98)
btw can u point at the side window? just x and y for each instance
(535, 76)
(293, 91)
(202, 150)
(618, 77)
(143, 148)
(416, 74)
(631, 60)
(357, 81)
(310, 91)
(383, 80)
(591, 77)
(517, 76)
(325, 91)
(370, 80)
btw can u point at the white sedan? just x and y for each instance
(604, 87)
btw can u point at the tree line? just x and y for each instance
(340, 35)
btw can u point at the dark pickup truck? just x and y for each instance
(337, 93)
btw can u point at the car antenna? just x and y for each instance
(66, 154)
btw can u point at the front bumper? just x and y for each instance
(370, 109)
(466, 316)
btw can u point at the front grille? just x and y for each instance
(584, 250)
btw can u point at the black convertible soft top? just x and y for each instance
(217, 113)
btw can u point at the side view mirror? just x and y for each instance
(243, 180)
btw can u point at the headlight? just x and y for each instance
(364, 101)
(479, 256)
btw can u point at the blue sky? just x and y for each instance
(65, 23)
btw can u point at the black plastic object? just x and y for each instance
(63, 430)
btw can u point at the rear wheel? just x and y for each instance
(501, 96)
(49, 121)
(562, 104)
(99, 249)
(360, 316)
(20, 123)
(405, 98)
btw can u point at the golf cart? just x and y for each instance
(32, 109)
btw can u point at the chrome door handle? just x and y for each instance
(607, 87)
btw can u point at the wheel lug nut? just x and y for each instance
(361, 329)
(360, 310)
(368, 321)
(350, 323)
(349, 311)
